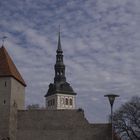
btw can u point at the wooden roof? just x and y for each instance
(8, 68)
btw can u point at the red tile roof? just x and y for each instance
(8, 68)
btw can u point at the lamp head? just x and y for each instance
(111, 98)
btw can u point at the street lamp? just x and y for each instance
(111, 98)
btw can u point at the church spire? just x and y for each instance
(59, 66)
(59, 48)
(60, 94)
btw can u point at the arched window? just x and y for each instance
(67, 101)
(70, 101)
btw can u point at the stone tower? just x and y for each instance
(12, 93)
(60, 94)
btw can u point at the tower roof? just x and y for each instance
(59, 48)
(60, 84)
(8, 68)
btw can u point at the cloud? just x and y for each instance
(100, 40)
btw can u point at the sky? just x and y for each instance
(101, 44)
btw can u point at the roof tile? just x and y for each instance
(7, 66)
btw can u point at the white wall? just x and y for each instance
(60, 101)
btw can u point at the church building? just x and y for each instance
(60, 94)
(60, 120)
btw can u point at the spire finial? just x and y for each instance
(59, 49)
(3, 39)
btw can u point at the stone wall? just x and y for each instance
(17, 94)
(57, 125)
(13, 122)
(11, 92)
(5, 87)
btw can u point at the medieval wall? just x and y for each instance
(55, 125)
(5, 88)
(13, 122)
(17, 94)
(11, 92)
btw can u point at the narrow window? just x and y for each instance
(48, 103)
(4, 102)
(70, 101)
(62, 100)
(51, 102)
(5, 84)
(66, 101)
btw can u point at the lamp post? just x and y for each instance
(111, 98)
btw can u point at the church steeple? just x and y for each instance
(60, 94)
(59, 48)
(59, 66)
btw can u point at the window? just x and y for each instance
(67, 101)
(62, 100)
(51, 102)
(5, 84)
(4, 102)
(70, 101)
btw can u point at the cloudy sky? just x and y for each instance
(100, 40)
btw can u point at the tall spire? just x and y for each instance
(60, 85)
(59, 49)
(59, 66)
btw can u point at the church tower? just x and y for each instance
(12, 93)
(60, 94)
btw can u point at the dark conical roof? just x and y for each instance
(59, 48)
(7, 66)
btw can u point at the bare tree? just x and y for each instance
(33, 106)
(126, 120)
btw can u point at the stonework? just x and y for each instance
(11, 93)
(58, 125)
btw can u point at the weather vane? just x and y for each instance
(3, 39)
